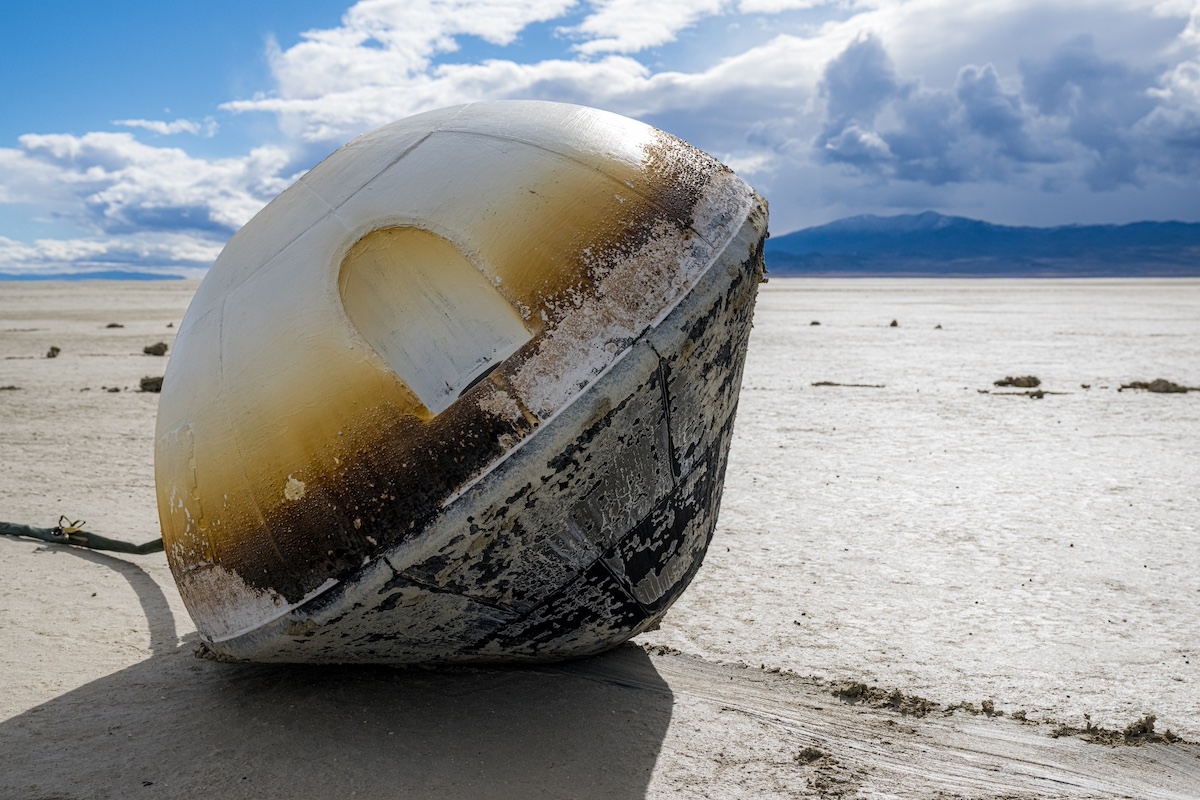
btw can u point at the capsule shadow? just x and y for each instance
(160, 620)
(178, 726)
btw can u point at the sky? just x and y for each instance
(141, 134)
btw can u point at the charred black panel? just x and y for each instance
(659, 557)
(594, 606)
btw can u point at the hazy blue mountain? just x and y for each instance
(103, 275)
(933, 244)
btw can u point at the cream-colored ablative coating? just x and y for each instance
(392, 326)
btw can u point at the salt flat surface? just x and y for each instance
(1041, 553)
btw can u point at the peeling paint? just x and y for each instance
(293, 489)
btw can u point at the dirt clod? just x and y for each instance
(1032, 394)
(53, 352)
(157, 349)
(859, 693)
(203, 651)
(1020, 382)
(1136, 733)
(151, 384)
(114, 325)
(851, 385)
(1159, 386)
(808, 755)
(1142, 730)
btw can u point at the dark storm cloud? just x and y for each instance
(857, 83)
(1176, 132)
(856, 86)
(918, 144)
(927, 144)
(995, 114)
(1101, 118)
(1102, 101)
(1076, 80)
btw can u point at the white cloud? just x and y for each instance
(339, 116)
(341, 82)
(135, 203)
(628, 26)
(747, 165)
(113, 183)
(778, 6)
(1180, 85)
(208, 128)
(386, 42)
(163, 253)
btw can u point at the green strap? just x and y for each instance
(67, 532)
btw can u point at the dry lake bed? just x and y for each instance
(922, 585)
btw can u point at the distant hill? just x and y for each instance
(933, 244)
(104, 275)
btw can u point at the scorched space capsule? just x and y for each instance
(462, 393)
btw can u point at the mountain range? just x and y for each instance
(936, 245)
(932, 244)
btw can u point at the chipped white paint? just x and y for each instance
(293, 489)
(227, 590)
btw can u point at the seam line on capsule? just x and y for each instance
(284, 611)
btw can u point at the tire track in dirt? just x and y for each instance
(845, 750)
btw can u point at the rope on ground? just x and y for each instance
(72, 532)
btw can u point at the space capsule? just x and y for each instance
(464, 392)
